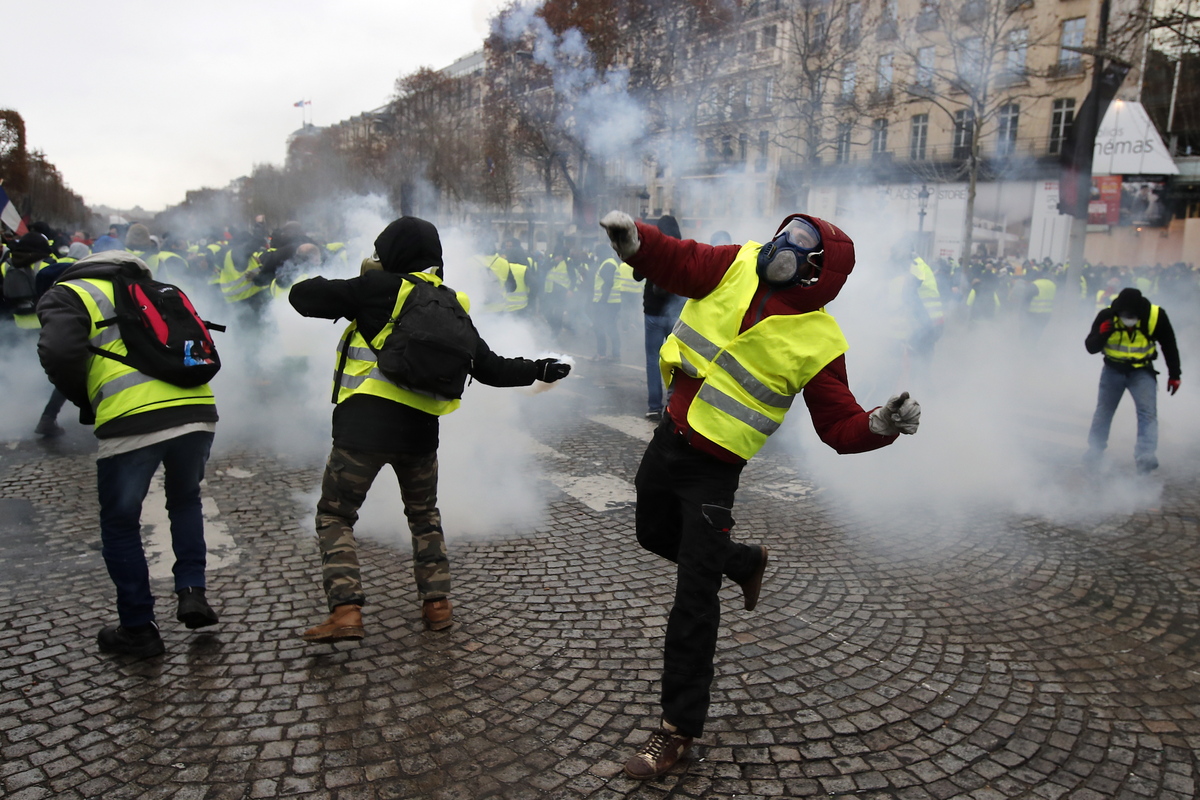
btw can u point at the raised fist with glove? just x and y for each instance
(622, 233)
(551, 369)
(900, 414)
(1173, 386)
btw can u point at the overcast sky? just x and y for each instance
(138, 102)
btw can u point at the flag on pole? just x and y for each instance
(10, 216)
(302, 103)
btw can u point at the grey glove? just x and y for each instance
(900, 414)
(622, 233)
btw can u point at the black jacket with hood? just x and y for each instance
(63, 348)
(373, 424)
(1132, 301)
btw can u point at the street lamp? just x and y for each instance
(922, 204)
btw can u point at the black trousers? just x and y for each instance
(684, 514)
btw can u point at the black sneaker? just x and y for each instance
(49, 428)
(142, 641)
(194, 611)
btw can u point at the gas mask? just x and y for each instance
(793, 258)
(1130, 322)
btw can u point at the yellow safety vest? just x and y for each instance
(614, 291)
(625, 279)
(928, 291)
(750, 378)
(116, 390)
(238, 284)
(558, 276)
(1043, 301)
(518, 298)
(1131, 346)
(495, 298)
(357, 370)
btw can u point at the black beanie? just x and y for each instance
(1131, 301)
(32, 243)
(409, 245)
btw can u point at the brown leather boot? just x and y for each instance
(345, 623)
(752, 586)
(437, 614)
(660, 752)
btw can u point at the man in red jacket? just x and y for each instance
(753, 334)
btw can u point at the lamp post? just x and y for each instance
(922, 204)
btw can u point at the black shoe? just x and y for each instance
(142, 641)
(194, 611)
(49, 427)
(753, 584)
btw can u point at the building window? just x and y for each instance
(971, 71)
(752, 9)
(925, 65)
(849, 77)
(1070, 60)
(1006, 139)
(751, 42)
(710, 148)
(727, 147)
(883, 74)
(768, 37)
(1061, 118)
(747, 96)
(763, 139)
(842, 155)
(1014, 55)
(743, 146)
(854, 18)
(879, 130)
(919, 138)
(964, 130)
(768, 93)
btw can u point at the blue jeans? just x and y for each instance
(657, 331)
(1142, 388)
(123, 481)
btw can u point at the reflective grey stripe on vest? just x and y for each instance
(1124, 348)
(688, 366)
(753, 386)
(352, 382)
(362, 354)
(723, 402)
(118, 385)
(688, 335)
(107, 334)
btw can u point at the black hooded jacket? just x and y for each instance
(374, 424)
(1131, 301)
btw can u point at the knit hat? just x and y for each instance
(1130, 302)
(32, 243)
(138, 237)
(670, 226)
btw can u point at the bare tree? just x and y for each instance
(978, 80)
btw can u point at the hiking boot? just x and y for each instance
(49, 427)
(753, 585)
(658, 754)
(194, 610)
(344, 624)
(142, 641)
(437, 614)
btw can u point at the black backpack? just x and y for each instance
(164, 336)
(431, 347)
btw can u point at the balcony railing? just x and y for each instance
(881, 97)
(1067, 69)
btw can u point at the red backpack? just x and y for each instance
(164, 336)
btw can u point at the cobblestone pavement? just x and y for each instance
(990, 656)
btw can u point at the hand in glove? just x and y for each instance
(1106, 326)
(622, 233)
(901, 414)
(551, 370)
(1173, 386)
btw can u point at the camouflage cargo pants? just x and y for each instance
(348, 477)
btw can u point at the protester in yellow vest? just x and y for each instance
(379, 422)
(606, 305)
(1128, 333)
(140, 424)
(752, 336)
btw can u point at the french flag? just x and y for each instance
(10, 216)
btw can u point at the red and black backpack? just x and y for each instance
(164, 336)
